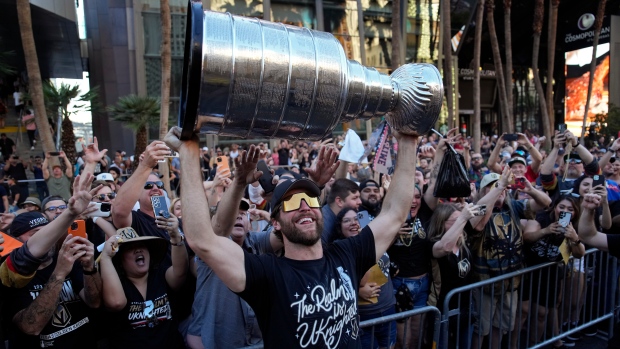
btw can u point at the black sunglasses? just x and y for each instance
(149, 185)
(101, 197)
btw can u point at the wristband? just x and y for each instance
(576, 243)
(95, 219)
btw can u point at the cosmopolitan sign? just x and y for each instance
(580, 32)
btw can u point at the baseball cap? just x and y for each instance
(368, 183)
(205, 148)
(282, 189)
(489, 179)
(517, 159)
(574, 156)
(31, 200)
(105, 177)
(25, 222)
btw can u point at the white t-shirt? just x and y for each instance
(17, 96)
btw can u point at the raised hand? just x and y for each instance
(507, 177)
(469, 211)
(88, 259)
(173, 139)
(111, 246)
(70, 251)
(92, 154)
(82, 194)
(245, 163)
(591, 201)
(171, 225)
(153, 153)
(559, 140)
(324, 166)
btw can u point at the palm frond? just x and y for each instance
(136, 111)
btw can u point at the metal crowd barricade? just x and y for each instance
(564, 292)
(407, 314)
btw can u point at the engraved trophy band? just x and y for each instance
(249, 78)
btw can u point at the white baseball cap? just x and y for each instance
(105, 177)
(205, 148)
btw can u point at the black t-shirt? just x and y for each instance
(2, 194)
(547, 248)
(145, 225)
(411, 254)
(450, 272)
(70, 325)
(6, 147)
(310, 304)
(613, 244)
(283, 156)
(17, 171)
(147, 323)
(16, 189)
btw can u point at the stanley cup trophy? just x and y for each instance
(249, 78)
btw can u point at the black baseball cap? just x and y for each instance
(25, 222)
(368, 183)
(282, 189)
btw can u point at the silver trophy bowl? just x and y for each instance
(249, 78)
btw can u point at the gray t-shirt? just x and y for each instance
(59, 186)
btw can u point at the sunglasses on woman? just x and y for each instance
(293, 203)
(149, 185)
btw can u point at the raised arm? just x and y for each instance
(223, 255)
(129, 193)
(449, 240)
(587, 228)
(176, 273)
(605, 219)
(45, 167)
(613, 148)
(92, 155)
(397, 201)
(91, 293)
(492, 163)
(583, 152)
(40, 244)
(540, 200)
(68, 166)
(34, 317)
(325, 165)
(228, 208)
(490, 198)
(549, 165)
(113, 294)
(534, 153)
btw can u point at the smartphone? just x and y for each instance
(222, 166)
(54, 153)
(78, 228)
(562, 128)
(565, 218)
(510, 137)
(10, 243)
(103, 210)
(160, 207)
(482, 211)
(363, 218)
(172, 154)
(598, 180)
(519, 183)
(266, 179)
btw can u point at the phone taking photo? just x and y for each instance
(160, 206)
(598, 180)
(78, 228)
(363, 218)
(510, 137)
(565, 218)
(266, 179)
(482, 210)
(103, 210)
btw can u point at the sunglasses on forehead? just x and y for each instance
(293, 203)
(149, 185)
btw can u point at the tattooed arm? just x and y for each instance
(33, 318)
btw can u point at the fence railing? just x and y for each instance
(582, 294)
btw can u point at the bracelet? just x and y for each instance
(95, 219)
(180, 243)
(576, 243)
(92, 272)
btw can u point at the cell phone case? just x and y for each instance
(222, 166)
(78, 228)
(160, 207)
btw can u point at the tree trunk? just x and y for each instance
(396, 34)
(141, 143)
(34, 74)
(166, 66)
(447, 62)
(499, 72)
(539, 13)
(508, 53)
(477, 46)
(600, 13)
(68, 139)
(552, 32)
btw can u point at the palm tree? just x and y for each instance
(5, 68)
(34, 74)
(600, 13)
(59, 97)
(166, 67)
(539, 13)
(447, 54)
(508, 53)
(553, 28)
(476, 67)
(499, 71)
(396, 34)
(137, 113)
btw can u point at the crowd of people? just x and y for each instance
(291, 247)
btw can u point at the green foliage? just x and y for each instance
(136, 112)
(609, 124)
(5, 68)
(61, 96)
